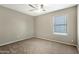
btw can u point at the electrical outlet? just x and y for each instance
(72, 40)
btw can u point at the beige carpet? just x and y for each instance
(38, 46)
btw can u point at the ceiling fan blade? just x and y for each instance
(44, 10)
(31, 6)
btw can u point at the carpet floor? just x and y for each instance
(37, 46)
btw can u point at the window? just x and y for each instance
(60, 25)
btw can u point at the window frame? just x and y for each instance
(58, 33)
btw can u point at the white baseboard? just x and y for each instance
(58, 41)
(39, 38)
(14, 41)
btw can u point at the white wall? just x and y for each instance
(44, 26)
(14, 26)
(78, 26)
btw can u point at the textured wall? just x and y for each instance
(78, 27)
(44, 26)
(14, 26)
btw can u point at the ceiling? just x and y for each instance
(26, 9)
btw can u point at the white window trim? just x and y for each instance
(57, 33)
(60, 33)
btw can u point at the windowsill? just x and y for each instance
(60, 33)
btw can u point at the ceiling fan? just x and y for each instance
(37, 7)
